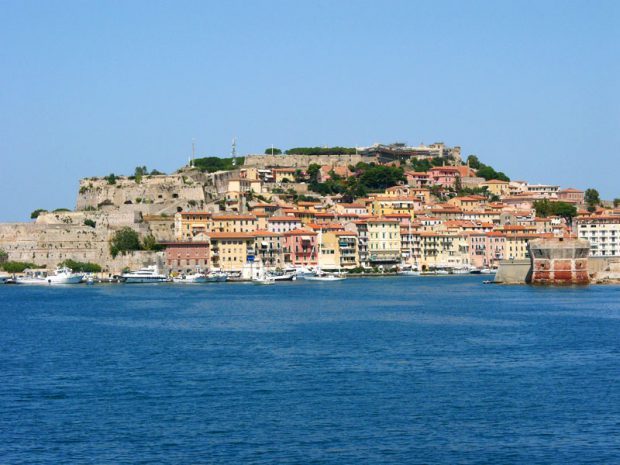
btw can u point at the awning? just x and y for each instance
(265, 243)
(305, 238)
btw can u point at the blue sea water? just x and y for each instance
(365, 371)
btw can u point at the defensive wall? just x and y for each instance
(303, 161)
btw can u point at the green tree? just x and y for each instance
(139, 173)
(156, 173)
(212, 164)
(545, 208)
(123, 241)
(89, 222)
(111, 178)
(4, 256)
(61, 210)
(473, 162)
(616, 203)
(35, 214)
(313, 173)
(299, 175)
(150, 243)
(273, 150)
(81, 267)
(17, 267)
(592, 199)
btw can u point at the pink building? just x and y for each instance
(300, 247)
(187, 256)
(444, 175)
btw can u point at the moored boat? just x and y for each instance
(61, 275)
(193, 278)
(148, 274)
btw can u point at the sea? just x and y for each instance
(391, 370)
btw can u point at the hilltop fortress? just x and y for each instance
(374, 207)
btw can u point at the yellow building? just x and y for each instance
(443, 250)
(469, 203)
(187, 225)
(383, 241)
(338, 250)
(233, 223)
(497, 187)
(386, 204)
(230, 251)
(283, 174)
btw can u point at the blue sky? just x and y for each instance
(89, 88)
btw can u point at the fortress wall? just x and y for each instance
(49, 244)
(303, 161)
(155, 190)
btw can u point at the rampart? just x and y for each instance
(303, 161)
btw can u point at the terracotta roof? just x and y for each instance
(300, 232)
(233, 217)
(230, 235)
(293, 219)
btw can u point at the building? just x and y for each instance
(233, 223)
(187, 225)
(230, 251)
(383, 241)
(300, 248)
(603, 232)
(269, 248)
(282, 224)
(401, 151)
(187, 256)
(338, 250)
(547, 191)
(570, 195)
(497, 187)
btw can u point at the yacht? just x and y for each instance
(61, 275)
(193, 278)
(148, 274)
(216, 277)
(326, 277)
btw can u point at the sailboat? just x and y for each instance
(262, 277)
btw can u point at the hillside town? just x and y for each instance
(372, 209)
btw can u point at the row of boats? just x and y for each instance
(151, 274)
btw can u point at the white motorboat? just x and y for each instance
(487, 271)
(194, 278)
(265, 281)
(408, 273)
(4, 279)
(283, 277)
(61, 275)
(148, 274)
(216, 277)
(325, 278)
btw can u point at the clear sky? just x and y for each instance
(93, 87)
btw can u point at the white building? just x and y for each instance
(603, 232)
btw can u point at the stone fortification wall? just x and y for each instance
(514, 272)
(559, 261)
(303, 161)
(58, 237)
(152, 193)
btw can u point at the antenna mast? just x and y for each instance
(191, 163)
(233, 152)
